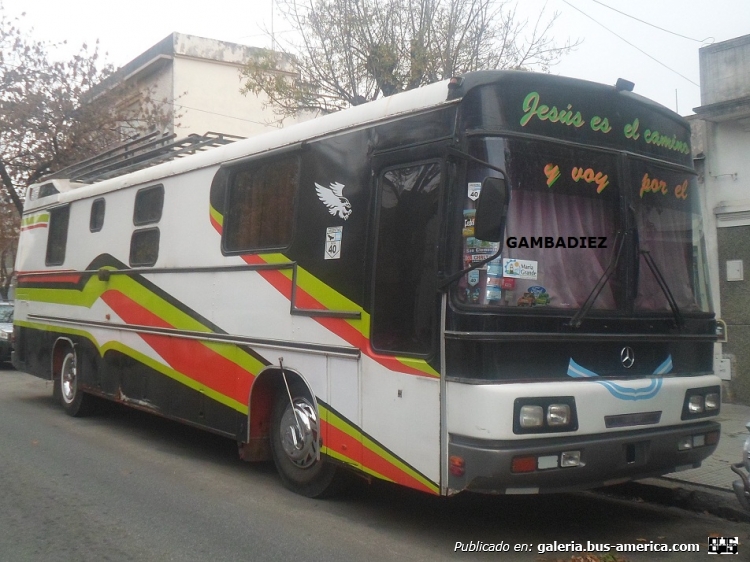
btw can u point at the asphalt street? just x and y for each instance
(124, 485)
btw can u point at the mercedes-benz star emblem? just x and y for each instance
(627, 357)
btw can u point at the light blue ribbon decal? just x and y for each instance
(621, 391)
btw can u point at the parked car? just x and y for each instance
(742, 486)
(6, 330)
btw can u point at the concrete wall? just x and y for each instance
(207, 98)
(721, 145)
(734, 244)
(724, 70)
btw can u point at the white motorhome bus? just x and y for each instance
(495, 283)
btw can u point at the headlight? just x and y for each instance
(531, 416)
(701, 402)
(544, 414)
(712, 401)
(5, 335)
(695, 404)
(558, 414)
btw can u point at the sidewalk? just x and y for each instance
(715, 471)
(708, 488)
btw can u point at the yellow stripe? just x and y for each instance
(216, 215)
(334, 300)
(352, 431)
(94, 289)
(141, 358)
(33, 219)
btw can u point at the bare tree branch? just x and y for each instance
(347, 52)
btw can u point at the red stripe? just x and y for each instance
(190, 357)
(43, 277)
(338, 326)
(345, 445)
(37, 225)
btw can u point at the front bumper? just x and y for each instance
(605, 459)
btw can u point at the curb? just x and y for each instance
(688, 496)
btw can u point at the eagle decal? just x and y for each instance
(333, 198)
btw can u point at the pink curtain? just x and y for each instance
(567, 274)
(666, 234)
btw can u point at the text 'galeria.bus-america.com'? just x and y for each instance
(350, 294)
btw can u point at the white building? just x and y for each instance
(200, 79)
(721, 145)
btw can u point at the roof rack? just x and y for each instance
(138, 153)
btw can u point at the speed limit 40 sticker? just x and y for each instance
(333, 242)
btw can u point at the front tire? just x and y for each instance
(74, 401)
(295, 444)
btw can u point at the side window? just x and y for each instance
(144, 243)
(144, 247)
(96, 221)
(57, 236)
(260, 206)
(148, 204)
(404, 306)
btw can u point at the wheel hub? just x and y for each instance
(68, 376)
(300, 435)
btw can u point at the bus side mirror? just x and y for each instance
(492, 207)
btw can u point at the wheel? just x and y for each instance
(295, 445)
(73, 400)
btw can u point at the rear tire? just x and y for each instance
(295, 452)
(74, 401)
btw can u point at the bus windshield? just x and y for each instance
(670, 230)
(560, 232)
(563, 224)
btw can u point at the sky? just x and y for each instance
(663, 66)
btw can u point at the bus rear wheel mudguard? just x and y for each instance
(295, 442)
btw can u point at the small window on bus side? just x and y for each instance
(148, 205)
(96, 221)
(260, 206)
(57, 236)
(144, 247)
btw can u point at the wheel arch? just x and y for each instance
(59, 348)
(264, 391)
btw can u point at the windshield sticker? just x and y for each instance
(519, 269)
(469, 222)
(475, 188)
(654, 185)
(333, 242)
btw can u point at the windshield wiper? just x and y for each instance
(664, 288)
(575, 322)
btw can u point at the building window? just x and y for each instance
(96, 221)
(144, 247)
(148, 205)
(260, 206)
(57, 237)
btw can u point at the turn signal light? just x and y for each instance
(456, 465)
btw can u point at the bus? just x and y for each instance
(494, 283)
